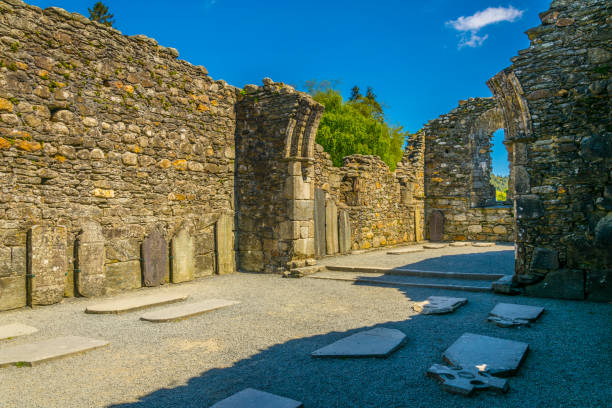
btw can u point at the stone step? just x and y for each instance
(416, 272)
(15, 330)
(186, 310)
(36, 353)
(130, 304)
(408, 281)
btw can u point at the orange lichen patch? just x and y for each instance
(6, 105)
(214, 102)
(378, 185)
(383, 241)
(203, 108)
(21, 65)
(28, 146)
(100, 192)
(164, 163)
(4, 144)
(20, 134)
(60, 84)
(180, 164)
(60, 158)
(176, 197)
(561, 190)
(380, 225)
(366, 245)
(135, 149)
(43, 74)
(118, 85)
(459, 238)
(129, 89)
(437, 180)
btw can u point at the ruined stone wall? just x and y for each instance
(555, 100)
(457, 172)
(275, 136)
(111, 129)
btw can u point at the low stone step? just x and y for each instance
(15, 330)
(186, 310)
(36, 353)
(115, 306)
(434, 246)
(403, 251)
(409, 281)
(416, 272)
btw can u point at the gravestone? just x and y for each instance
(154, 259)
(132, 303)
(331, 227)
(52, 349)
(344, 232)
(90, 253)
(510, 315)
(224, 238)
(436, 226)
(462, 381)
(10, 331)
(379, 342)
(319, 222)
(183, 267)
(184, 311)
(47, 264)
(252, 398)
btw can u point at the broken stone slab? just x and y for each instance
(15, 330)
(403, 251)
(130, 304)
(36, 353)
(457, 380)
(434, 246)
(460, 244)
(183, 250)
(439, 305)
(186, 310)
(252, 398)
(90, 256)
(379, 342)
(154, 259)
(499, 357)
(483, 244)
(504, 285)
(510, 315)
(47, 264)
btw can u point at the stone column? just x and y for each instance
(299, 192)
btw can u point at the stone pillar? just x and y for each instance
(299, 192)
(90, 276)
(47, 264)
(344, 232)
(331, 227)
(319, 222)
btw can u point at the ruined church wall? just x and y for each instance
(555, 99)
(96, 125)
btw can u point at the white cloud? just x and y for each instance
(472, 24)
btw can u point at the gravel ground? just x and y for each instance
(496, 259)
(265, 342)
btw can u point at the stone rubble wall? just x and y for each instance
(555, 99)
(97, 126)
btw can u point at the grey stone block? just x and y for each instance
(379, 342)
(252, 398)
(510, 315)
(48, 264)
(544, 258)
(12, 292)
(123, 276)
(90, 275)
(560, 284)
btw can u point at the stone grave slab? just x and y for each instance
(47, 264)
(483, 244)
(183, 256)
(344, 232)
(90, 253)
(13, 292)
(510, 315)
(402, 251)
(36, 353)
(460, 244)
(9, 331)
(434, 246)
(379, 342)
(499, 357)
(154, 259)
(186, 310)
(224, 236)
(465, 381)
(319, 222)
(252, 398)
(436, 226)
(439, 305)
(331, 227)
(130, 304)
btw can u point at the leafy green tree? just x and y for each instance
(101, 15)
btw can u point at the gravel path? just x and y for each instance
(265, 342)
(496, 259)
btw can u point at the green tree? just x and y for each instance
(101, 15)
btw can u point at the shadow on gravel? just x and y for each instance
(483, 262)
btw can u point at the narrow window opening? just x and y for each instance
(500, 168)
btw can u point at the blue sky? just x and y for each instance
(421, 57)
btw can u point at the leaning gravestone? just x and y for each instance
(154, 259)
(319, 222)
(252, 398)
(344, 232)
(183, 266)
(436, 226)
(90, 273)
(47, 264)
(379, 342)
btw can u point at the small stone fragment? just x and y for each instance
(439, 305)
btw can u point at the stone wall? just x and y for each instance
(99, 127)
(555, 99)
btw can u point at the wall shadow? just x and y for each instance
(483, 262)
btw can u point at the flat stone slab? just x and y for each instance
(15, 330)
(36, 353)
(252, 398)
(186, 310)
(403, 251)
(135, 303)
(460, 244)
(465, 381)
(434, 246)
(510, 315)
(499, 357)
(439, 305)
(483, 244)
(379, 342)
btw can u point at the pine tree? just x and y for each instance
(355, 95)
(101, 15)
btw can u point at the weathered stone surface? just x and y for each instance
(433, 245)
(504, 285)
(184, 311)
(599, 285)
(224, 232)
(510, 315)
(439, 305)
(436, 226)
(90, 273)
(379, 342)
(319, 222)
(183, 266)
(12, 292)
(154, 259)
(344, 232)
(544, 258)
(402, 251)
(460, 244)
(331, 227)
(130, 304)
(496, 356)
(252, 398)
(36, 353)
(16, 330)
(47, 264)
(123, 276)
(560, 283)
(483, 244)
(465, 381)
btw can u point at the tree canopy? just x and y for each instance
(101, 15)
(356, 126)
